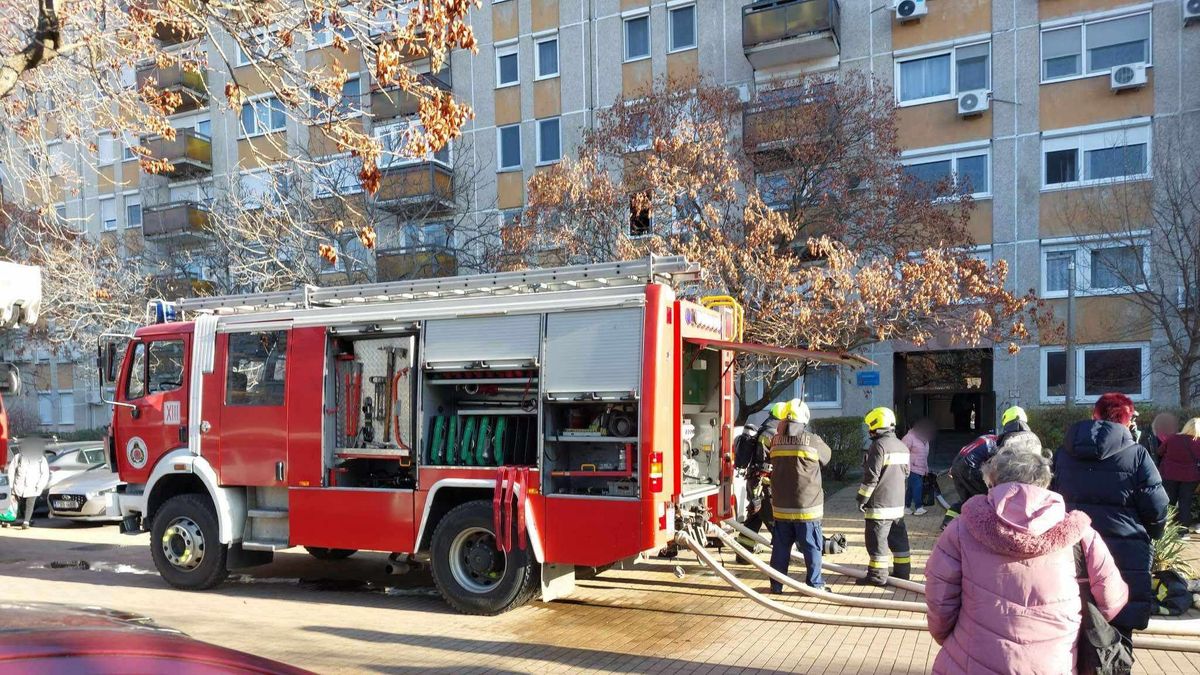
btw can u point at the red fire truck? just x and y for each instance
(506, 428)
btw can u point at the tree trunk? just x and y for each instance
(1187, 384)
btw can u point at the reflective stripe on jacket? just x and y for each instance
(797, 456)
(885, 468)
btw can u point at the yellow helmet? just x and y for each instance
(880, 418)
(1014, 413)
(779, 410)
(798, 411)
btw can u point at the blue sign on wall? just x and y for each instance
(867, 378)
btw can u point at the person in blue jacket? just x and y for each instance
(1102, 471)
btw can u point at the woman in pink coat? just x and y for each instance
(1000, 584)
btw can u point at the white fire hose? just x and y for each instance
(1156, 627)
(683, 539)
(805, 589)
(825, 564)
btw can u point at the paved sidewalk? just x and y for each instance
(320, 615)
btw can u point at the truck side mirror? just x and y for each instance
(111, 362)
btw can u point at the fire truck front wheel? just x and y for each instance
(472, 575)
(185, 543)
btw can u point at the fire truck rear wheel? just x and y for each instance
(472, 575)
(185, 543)
(321, 553)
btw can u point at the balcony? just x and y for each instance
(180, 219)
(192, 87)
(392, 102)
(785, 116)
(780, 32)
(424, 186)
(172, 287)
(170, 26)
(415, 262)
(190, 154)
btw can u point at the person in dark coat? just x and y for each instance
(1103, 472)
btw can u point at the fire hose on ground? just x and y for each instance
(685, 540)
(832, 567)
(1156, 627)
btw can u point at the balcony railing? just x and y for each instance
(167, 286)
(778, 32)
(415, 262)
(174, 220)
(192, 86)
(424, 185)
(190, 154)
(392, 102)
(788, 115)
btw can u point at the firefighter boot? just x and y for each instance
(902, 570)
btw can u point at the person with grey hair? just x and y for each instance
(1000, 584)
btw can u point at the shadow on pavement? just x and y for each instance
(575, 657)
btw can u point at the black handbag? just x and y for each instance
(1099, 649)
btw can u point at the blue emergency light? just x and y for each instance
(164, 312)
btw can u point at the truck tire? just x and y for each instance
(321, 553)
(472, 576)
(186, 545)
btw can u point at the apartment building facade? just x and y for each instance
(1044, 124)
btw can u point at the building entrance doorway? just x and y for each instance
(953, 388)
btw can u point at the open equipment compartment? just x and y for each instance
(701, 420)
(593, 403)
(480, 385)
(369, 429)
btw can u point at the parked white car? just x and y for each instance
(73, 461)
(88, 496)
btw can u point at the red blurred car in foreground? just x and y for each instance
(47, 638)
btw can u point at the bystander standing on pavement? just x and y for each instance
(28, 477)
(1001, 585)
(1102, 471)
(1181, 471)
(798, 498)
(1164, 426)
(917, 440)
(881, 499)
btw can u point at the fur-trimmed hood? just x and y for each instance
(1023, 521)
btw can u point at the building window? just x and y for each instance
(943, 75)
(509, 141)
(1093, 47)
(1101, 268)
(66, 407)
(545, 55)
(133, 211)
(549, 141)
(108, 213)
(262, 116)
(257, 368)
(508, 71)
(682, 23)
(323, 35)
(1099, 369)
(259, 45)
(640, 222)
(338, 175)
(45, 410)
(1073, 159)
(637, 37)
(821, 387)
(127, 153)
(945, 174)
(348, 105)
(106, 149)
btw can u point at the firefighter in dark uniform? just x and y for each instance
(797, 456)
(758, 477)
(881, 499)
(967, 468)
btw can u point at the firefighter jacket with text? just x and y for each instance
(885, 470)
(797, 456)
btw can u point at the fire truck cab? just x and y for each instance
(505, 428)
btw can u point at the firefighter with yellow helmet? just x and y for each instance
(758, 476)
(797, 455)
(881, 499)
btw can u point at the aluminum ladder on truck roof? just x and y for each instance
(668, 269)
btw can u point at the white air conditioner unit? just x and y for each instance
(1191, 11)
(974, 102)
(909, 10)
(1129, 76)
